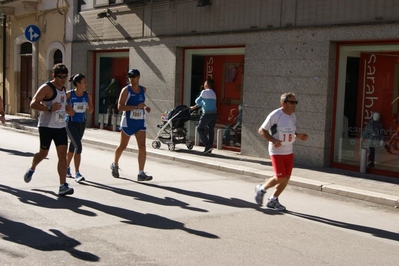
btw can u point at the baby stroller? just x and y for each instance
(172, 131)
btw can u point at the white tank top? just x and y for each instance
(54, 119)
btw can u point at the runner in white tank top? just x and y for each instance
(50, 100)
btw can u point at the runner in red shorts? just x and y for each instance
(279, 129)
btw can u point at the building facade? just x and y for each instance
(339, 57)
(35, 37)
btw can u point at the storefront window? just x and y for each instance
(226, 67)
(111, 69)
(367, 116)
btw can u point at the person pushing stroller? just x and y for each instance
(207, 101)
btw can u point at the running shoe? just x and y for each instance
(68, 175)
(28, 175)
(274, 204)
(115, 170)
(65, 190)
(143, 177)
(259, 193)
(79, 177)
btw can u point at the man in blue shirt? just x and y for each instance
(207, 101)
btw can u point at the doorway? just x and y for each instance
(25, 94)
(26, 84)
(111, 69)
(226, 67)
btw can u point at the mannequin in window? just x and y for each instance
(234, 126)
(393, 141)
(112, 93)
(237, 127)
(103, 97)
(373, 137)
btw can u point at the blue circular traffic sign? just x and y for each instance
(32, 33)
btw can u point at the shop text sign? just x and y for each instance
(369, 94)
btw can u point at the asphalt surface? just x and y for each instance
(366, 187)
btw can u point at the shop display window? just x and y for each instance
(367, 109)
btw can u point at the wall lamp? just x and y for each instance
(203, 3)
(105, 14)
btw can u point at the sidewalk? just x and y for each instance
(367, 187)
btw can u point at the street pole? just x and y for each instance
(4, 21)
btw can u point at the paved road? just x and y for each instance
(186, 215)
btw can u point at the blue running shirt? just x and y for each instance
(79, 105)
(133, 120)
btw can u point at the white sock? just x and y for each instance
(140, 172)
(273, 198)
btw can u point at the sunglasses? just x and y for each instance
(62, 77)
(291, 102)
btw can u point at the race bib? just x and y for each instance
(60, 117)
(80, 107)
(137, 114)
(286, 135)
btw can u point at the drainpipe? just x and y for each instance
(4, 60)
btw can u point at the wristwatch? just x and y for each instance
(49, 107)
(135, 107)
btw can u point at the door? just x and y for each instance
(111, 69)
(26, 84)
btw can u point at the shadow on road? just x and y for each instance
(232, 202)
(74, 204)
(141, 219)
(145, 197)
(18, 153)
(27, 235)
(43, 201)
(360, 228)
(32, 237)
(221, 156)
